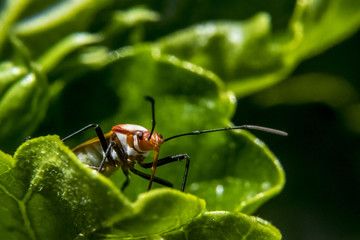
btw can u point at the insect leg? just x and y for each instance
(107, 156)
(171, 159)
(127, 181)
(148, 176)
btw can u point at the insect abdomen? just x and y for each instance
(90, 155)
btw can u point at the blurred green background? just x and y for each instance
(298, 71)
(321, 155)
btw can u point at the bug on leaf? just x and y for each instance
(127, 145)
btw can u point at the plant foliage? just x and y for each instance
(65, 63)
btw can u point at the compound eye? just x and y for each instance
(140, 135)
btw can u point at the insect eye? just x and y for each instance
(140, 135)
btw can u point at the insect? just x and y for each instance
(127, 145)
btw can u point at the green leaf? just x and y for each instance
(249, 57)
(9, 74)
(177, 85)
(8, 15)
(54, 21)
(70, 43)
(242, 175)
(241, 53)
(159, 211)
(23, 102)
(130, 18)
(219, 225)
(318, 25)
(134, 19)
(225, 225)
(46, 181)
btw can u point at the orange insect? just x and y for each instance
(127, 145)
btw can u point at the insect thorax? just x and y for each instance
(132, 153)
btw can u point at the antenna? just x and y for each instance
(249, 127)
(152, 101)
